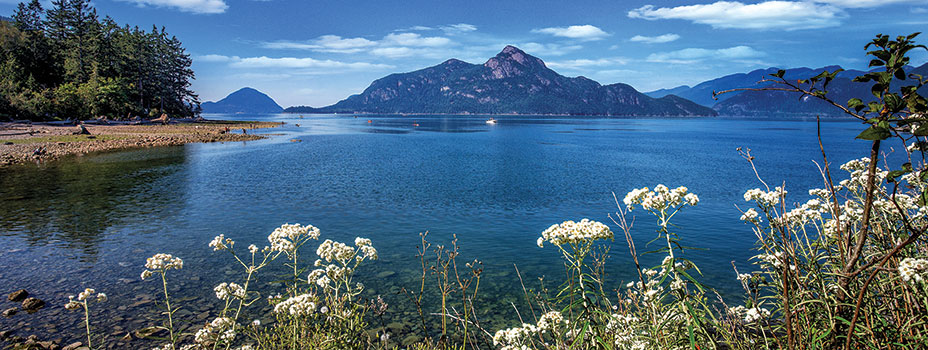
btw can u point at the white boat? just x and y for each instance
(491, 121)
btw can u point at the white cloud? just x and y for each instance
(287, 63)
(866, 3)
(458, 28)
(786, 15)
(919, 10)
(393, 52)
(414, 39)
(583, 32)
(325, 43)
(192, 6)
(215, 58)
(580, 64)
(666, 38)
(537, 49)
(742, 54)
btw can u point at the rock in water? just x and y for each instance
(33, 304)
(73, 346)
(19, 295)
(10, 312)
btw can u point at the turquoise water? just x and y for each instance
(92, 221)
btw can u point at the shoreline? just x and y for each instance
(23, 143)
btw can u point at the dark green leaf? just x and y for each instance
(874, 133)
(876, 63)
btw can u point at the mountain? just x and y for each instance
(5, 19)
(245, 100)
(702, 92)
(781, 103)
(512, 82)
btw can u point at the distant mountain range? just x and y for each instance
(777, 103)
(512, 82)
(245, 100)
(5, 19)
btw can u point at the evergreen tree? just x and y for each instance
(67, 63)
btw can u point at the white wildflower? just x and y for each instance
(220, 242)
(164, 262)
(750, 215)
(576, 232)
(225, 290)
(299, 305)
(913, 270)
(286, 237)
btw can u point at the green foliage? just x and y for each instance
(67, 63)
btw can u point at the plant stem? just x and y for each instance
(87, 324)
(167, 302)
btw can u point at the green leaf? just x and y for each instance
(877, 90)
(856, 104)
(779, 73)
(893, 102)
(874, 133)
(899, 74)
(876, 63)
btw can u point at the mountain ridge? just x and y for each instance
(244, 100)
(512, 82)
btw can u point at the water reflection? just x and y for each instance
(72, 204)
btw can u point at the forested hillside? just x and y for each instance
(67, 63)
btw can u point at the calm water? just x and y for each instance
(92, 221)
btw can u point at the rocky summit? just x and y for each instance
(512, 82)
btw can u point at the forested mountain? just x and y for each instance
(790, 104)
(512, 82)
(68, 63)
(245, 100)
(702, 92)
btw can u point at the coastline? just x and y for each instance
(22, 143)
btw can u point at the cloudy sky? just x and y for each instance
(317, 52)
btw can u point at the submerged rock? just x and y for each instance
(31, 305)
(10, 312)
(18, 295)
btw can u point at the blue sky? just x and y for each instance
(317, 52)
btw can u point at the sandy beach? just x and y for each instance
(22, 143)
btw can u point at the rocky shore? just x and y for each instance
(22, 143)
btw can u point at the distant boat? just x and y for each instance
(491, 121)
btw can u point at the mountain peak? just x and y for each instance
(513, 62)
(244, 100)
(509, 49)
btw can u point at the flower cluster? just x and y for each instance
(220, 242)
(812, 210)
(751, 216)
(335, 251)
(575, 232)
(624, 329)
(550, 321)
(287, 237)
(225, 290)
(220, 330)
(516, 338)
(661, 198)
(299, 305)
(765, 198)
(913, 270)
(161, 262)
(751, 315)
(88, 295)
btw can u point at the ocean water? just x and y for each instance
(91, 221)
